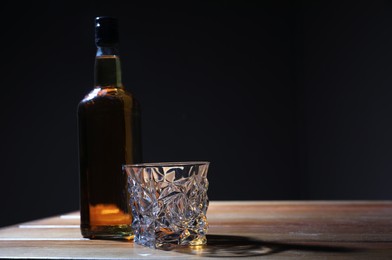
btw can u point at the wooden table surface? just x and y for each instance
(238, 229)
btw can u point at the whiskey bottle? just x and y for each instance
(109, 136)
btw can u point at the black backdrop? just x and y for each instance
(287, 100)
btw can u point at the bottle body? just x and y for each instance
(109, 136)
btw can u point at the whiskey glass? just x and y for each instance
(169, 203)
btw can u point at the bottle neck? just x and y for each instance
(107, 68)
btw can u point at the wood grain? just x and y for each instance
(251, 229)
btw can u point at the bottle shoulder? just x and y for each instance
(103, 98)
(107, 94)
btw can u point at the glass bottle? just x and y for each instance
(109, 136)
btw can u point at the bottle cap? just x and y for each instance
(106, 31)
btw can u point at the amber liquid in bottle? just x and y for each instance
(109, 136)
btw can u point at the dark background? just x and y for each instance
(287, 100)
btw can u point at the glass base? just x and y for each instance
(121, 232)
(153, 242)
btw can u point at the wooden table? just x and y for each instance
(238, 229)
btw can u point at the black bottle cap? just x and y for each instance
(106, 31)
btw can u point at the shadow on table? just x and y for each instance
(238, 246)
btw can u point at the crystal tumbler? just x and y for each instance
(169, 203)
